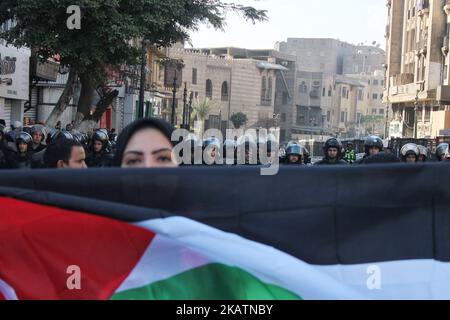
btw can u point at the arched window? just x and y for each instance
(269, 90)
(209, 89)
(224, 93)
(263, 89)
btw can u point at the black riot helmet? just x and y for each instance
(58, 134)
(102, 136)
(294, 149)
(442, 152)
(333, 143)
(24, 137)
(373, 142)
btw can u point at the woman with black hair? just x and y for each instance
(145, 143)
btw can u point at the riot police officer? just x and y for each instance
(442, 152)
(211, 151)
(332, 151)
(39, 135)
(372, 146)
(410, 153)
(5, 150)
(423, 153)
(21, 159)
(247, 151)
(99, 157)
(294, 154)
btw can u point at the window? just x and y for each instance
(375, 82)
(374, 111)
(427, 114)
(381, 111)
(342, 116)
(283, 117)
(358, 118)
(329, 91)
(360, 95)
(375, 96)
(263, 89)
(328, 116)
(194, 76)
(266, 91)
(344, 92)
(303, 88)
(368, 82)
(285, 98)
(270, 90)
(323, 92)
(382, 82)
(209, 89)
(224, 91)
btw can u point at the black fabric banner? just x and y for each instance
(326, 215)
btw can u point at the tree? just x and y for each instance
(108, 36)
(201, 111)
(239, 119)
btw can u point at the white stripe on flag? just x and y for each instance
(7, 291)
(266, 263)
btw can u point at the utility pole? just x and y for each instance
(143, 75)
(184, 125)
(174, 98)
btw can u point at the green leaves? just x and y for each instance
(108, 26)
(238, 119)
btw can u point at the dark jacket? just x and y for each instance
(18, 160)
(99, 160)
(326, 161)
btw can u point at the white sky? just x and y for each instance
(352, 21)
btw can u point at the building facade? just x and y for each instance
(233, 80)
(417, 66)
(338, 87)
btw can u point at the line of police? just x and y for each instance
(41, 147)
(334, 153)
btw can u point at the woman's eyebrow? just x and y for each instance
(161, 150)
(138, 153)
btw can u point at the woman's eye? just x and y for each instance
(133, 162)
(165, 159)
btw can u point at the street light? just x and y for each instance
(143, 75)
(387, 82)
(416, 107)
(185, 93)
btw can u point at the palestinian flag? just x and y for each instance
(56, 242)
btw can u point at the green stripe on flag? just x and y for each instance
(210, 282)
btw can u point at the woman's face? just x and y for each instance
(148, 148)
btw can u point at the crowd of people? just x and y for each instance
(147, 143)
